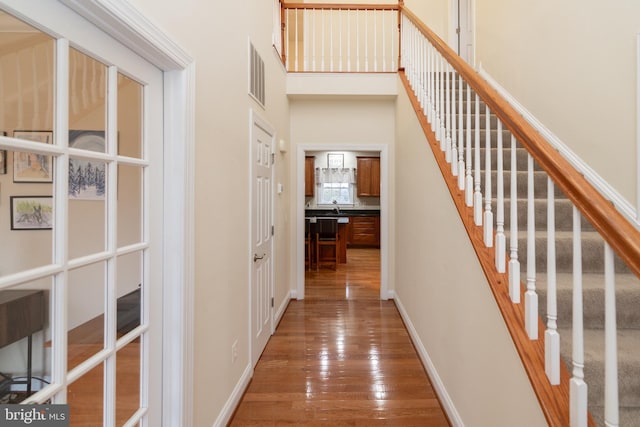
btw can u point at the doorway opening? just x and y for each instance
(342, 222)
(461, 29)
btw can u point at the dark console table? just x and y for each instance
(22, 313)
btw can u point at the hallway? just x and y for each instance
(341, 357)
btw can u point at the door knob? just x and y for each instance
(256, 257)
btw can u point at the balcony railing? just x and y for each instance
(340, 38)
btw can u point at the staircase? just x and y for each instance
(627, 284)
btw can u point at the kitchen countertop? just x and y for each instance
(343, 212)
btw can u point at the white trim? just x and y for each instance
(280, 311)
(384, 210)
(122, 21)
(234, 399)
(638, 127)
(436, 381)
(619, 202)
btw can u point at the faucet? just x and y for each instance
(336, 209)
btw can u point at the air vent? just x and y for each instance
(256, 75)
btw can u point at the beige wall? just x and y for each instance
(441, 285)
(571, 64)
(434, 13)
(216, 35)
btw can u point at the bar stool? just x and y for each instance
(327, 236)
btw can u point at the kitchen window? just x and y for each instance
(336, 186)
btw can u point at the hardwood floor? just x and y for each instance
(341, 357)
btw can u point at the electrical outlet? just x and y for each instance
(234, 351)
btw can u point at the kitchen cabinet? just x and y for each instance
(364, 231)
(309, 176)
(368, 176)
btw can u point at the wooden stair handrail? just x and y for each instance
(621, 235)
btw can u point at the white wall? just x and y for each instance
(571, 64)
(216, 35)
(440, 284)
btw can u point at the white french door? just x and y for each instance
(81, 215)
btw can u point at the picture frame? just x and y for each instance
(3, 162)
(31, 212)
(335, 161)
(3, 158)
(32, 167)
(87, 177)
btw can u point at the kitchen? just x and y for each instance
(342, 205)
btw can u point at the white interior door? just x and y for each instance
(462, 35)
(262, 142)
(87, 119)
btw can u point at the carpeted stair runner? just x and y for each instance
(627, 285)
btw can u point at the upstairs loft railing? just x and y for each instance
(352, 38)
(477, 137)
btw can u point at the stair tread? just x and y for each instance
(627, 340)
(624, 282)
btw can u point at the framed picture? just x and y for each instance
(3, 162)
(87, 177)
(335, 161)
(33, 167)
(31, 212)
(3, 158)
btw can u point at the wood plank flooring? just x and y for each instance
(341, 357)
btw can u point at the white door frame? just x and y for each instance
(120, 20)
(384, 211)
(257, 120)
(456, 11)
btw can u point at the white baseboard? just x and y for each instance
(437, 383)
(622, 204)
(234, 399)
(281, 309)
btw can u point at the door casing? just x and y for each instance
(383, 149)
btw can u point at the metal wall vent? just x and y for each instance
(256, 75)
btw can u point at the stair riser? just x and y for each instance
(521, 159)
(563, 215)
(592, 255)
(627, 315)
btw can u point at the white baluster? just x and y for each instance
(366, 41)
(501, 244)
(551, 336)
(35, 120)
(611, 409)
(436, 60)
(468, 185)
(461, 167)
(530, 297)
(447, 114)
(340, 65)
(313, 30)
(323, 37)
(349, 40)
(305, 41)
(375, 41)
(295, 44)
(514, 263)
(477, 194)
(384, 45)
(454, 132)
(443, 132)
(577, 386)
(432, 92)
(488, 215)
(358, 41)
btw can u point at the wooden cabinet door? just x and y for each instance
(365, 231)
(368, 176)
(309, 176)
